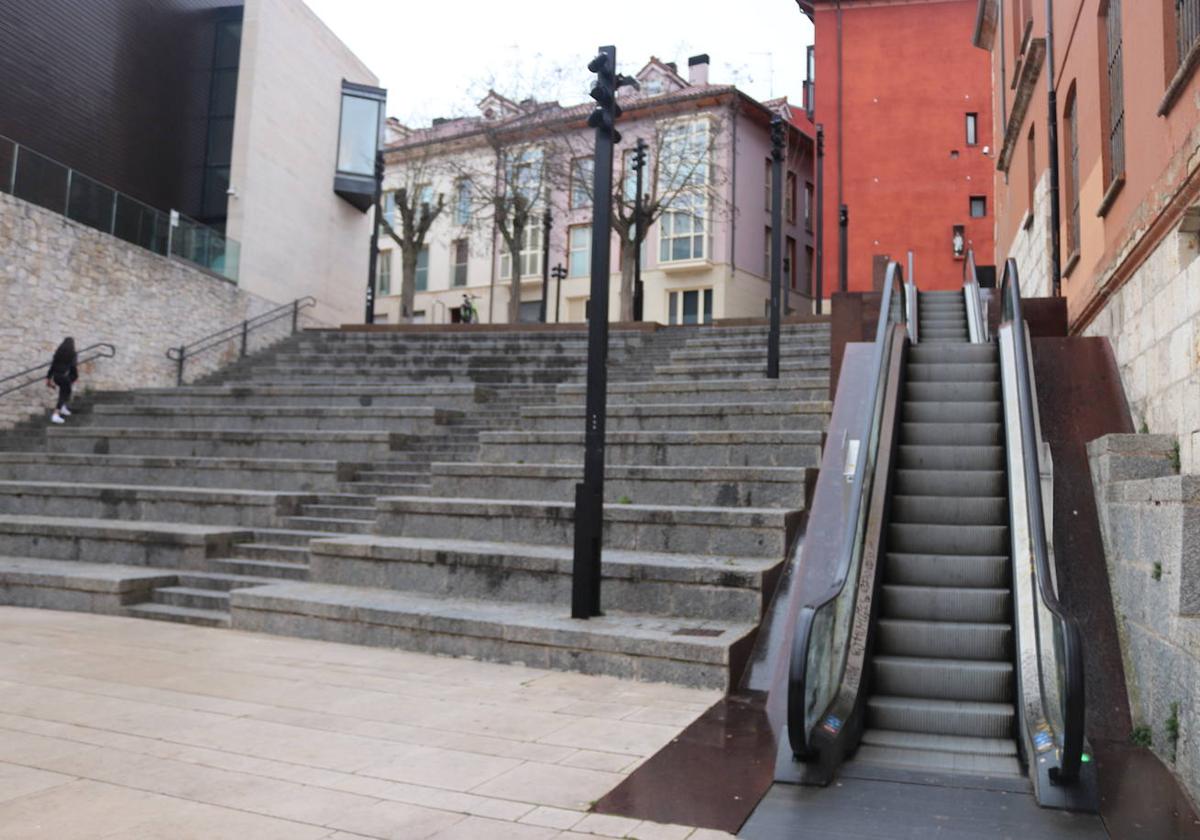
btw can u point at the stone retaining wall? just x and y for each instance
(1150, 518)
(59, 278)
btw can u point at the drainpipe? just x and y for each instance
(1052, 139)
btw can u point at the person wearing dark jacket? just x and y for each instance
(63, 373)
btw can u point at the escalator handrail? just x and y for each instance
(1072, 641)
(798, 735)
(975, 315)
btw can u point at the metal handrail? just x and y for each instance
(102, 350)
(183, 352)
(799, 736)
(1069, 641)
(977, 326)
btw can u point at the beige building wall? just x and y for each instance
(297, 237)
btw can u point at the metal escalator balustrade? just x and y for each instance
(932, 650)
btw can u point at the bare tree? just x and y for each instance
(416, 208)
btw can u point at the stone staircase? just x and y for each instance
(415, 490)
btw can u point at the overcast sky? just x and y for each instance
(436, 57)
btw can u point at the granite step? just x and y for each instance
(181, 615)
(672, 449)
(408, 419)
(748, 416)
(219, 443)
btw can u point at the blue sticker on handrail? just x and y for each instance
(832, 723)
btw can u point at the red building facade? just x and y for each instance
(906, 104)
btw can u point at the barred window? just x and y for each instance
(1114, 92)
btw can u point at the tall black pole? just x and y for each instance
(843, 248)
(777, 139)
(639, 163)
(1052, 142)
(819, 245)
(370, 315)
(543, 312)
(589, 496)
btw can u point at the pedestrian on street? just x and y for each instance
(63, 374)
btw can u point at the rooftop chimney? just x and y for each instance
(698, 69)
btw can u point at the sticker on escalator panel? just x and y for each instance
(832, 724)
(1042, 741)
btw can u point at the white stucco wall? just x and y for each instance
(297, 237)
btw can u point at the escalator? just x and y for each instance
(921, 647)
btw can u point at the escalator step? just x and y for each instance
(985, 411)
(947, 539)
(924, 457)
(949, 510)
(952, 391)
(976, 353)
(941, 717)
(945, 639)
(917, 372)
(951, 434)
(935, 761)
(942, 743)
(942, 679)
(950, 483)
(945, 603)
(947, 570)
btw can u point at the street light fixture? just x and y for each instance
(559, 272)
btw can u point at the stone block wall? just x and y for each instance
(60, 278)
(1150, 519)
(1031, 246)
(1153, 323)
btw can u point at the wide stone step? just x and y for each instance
(270, 569)
(163, 545)
(765, 416)
(181, 615)
(231, 508)
(741, 532)
(748, 354)
(261, 474)
(81, 586)
(410, 420)
(332, 396)
(702, 654)
(219, 581)
(783, 487)
(327, 375)
(338, 446)
(706, 392)
(650, 583)
(193, 598)
(670, 449)
(792, 368)
(340, 525)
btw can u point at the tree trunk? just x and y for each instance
(408, 283)
(628, 263)
(514, 295)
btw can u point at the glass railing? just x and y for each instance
(40, 180)
(823, 636)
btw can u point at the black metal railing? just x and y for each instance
(37, 373)
(977, 319)
(821, 641)
(1066, 642)
(241, 332)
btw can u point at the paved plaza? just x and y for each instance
(123, 728)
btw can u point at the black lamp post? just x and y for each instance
(589, 495)
(777, 141)
(547, 219)
(639, 163)
(559, 272)
(819, 236)
(370, 315)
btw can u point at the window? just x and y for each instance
(422, 278)
(790, 269)
(531, 250)
(978, 206)
(1112, 96)
(810, 267)
(524, 171)
(579, 250)
(459, 251)
(767, 191)
(462, 201)
(1186, 21)
(972, 129)
(1071, 122)
(388, 200)
(581, 182)
(767, 254)
(1031, 163)
(691, 307)
(789, 197)
(383, 274)
(808, 206)
(683, 173)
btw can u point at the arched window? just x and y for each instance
(1071, 126)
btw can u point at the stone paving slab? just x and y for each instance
(113, 727)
